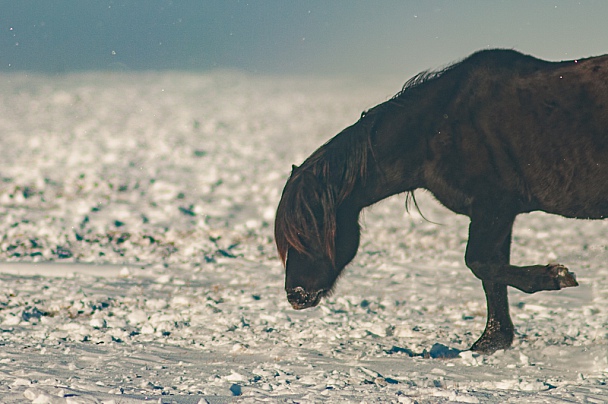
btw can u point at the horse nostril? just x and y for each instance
(301, 299)
(297, 297)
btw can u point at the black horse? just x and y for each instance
(496, 135)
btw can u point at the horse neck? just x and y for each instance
(395, 162)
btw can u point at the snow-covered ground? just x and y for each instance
(138, 262)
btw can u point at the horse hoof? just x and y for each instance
(488, 347)
(564, 278)
(492, 341)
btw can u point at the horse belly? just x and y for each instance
(577, 196)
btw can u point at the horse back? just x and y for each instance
(533, 131)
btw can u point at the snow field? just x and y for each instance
(136, 215)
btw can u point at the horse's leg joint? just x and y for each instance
(484, 271)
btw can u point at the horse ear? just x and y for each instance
(294, 168)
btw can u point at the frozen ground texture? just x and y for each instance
(138, 262)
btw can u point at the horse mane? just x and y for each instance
(306, 217)
(421, 78)
(417, 80)
(414, 82)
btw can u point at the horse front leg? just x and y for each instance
(499, 331)
(488, 256)
(495, 250)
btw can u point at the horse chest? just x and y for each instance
(449, 195)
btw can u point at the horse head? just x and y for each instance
(317, 236)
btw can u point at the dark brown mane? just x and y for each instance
(306, 216)
(418, 79)
(421, 78)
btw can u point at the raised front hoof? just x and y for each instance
(490, 343)
(562, 276)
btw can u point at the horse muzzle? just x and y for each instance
(301, 299)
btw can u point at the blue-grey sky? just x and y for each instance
(288, 36)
